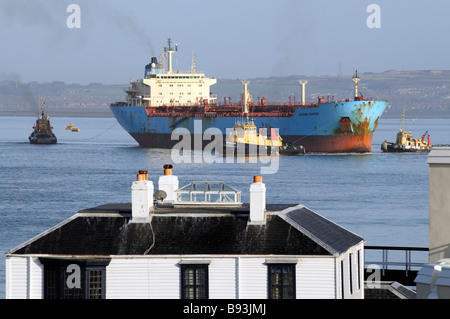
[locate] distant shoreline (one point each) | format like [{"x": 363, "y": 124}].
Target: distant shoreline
[
  {"x": 423, "y": 93},
  {"x": 58, "y": 114}
]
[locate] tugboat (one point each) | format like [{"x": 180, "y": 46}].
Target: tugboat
[
  {"x": 406, "y": 143},
  {"x": 246, "y": 140},
  {"x": 42, "y": 133}
]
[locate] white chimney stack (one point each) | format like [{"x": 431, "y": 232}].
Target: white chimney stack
[
  {"x": 257, "y": 201},
  {"x": 141, "y": 198},
  {"x": 169, "y": 184}
]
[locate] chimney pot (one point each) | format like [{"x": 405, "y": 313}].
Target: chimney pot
[
  {"x": 257, "y": 179},
  {"x": 142, "y": 176},
  {"x": 168, "y": 169}
]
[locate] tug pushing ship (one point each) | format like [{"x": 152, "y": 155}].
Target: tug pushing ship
[
  {"x": 165, "y": 100},
  {"x": 245, "y": 139}
]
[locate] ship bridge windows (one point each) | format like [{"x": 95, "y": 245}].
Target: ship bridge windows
[
  {"x": 135, "y": 102},
  {"x": 178, "y": 76}
]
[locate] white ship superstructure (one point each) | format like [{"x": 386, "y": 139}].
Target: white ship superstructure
[{"x": 161, "y": 87}]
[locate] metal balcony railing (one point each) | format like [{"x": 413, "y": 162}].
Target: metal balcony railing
[{"x": 391, "y": 257}]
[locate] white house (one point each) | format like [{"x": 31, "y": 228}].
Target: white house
[{"x": 201, "y": 243}]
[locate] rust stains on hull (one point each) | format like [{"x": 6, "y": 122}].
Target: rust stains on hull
[{"x": 311, "y": 143}]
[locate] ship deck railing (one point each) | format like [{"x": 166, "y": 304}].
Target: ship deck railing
[{"x": 396, "y": 263}]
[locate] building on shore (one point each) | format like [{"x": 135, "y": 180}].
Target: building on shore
[{"x": 194, "y": 242}]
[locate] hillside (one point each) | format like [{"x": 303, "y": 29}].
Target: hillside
[{"x": 421, "y": 93}]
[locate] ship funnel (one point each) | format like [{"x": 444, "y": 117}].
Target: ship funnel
[
  {"x": 141, "y": 198},
  {"x": 169, "y": 184},
  {"x": 257, "y": 201}
]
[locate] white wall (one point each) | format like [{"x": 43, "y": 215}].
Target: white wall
[
  {"x": 356, "y": 291},
  {"x": 229, "y": 277},
  {"x": 17, "y": 278},
  {"x": 23, "y": 278},
  {"x": 252, "y": 278},
  {"x": 316, "y": 278},
  {"x": 158, "y": 277}
]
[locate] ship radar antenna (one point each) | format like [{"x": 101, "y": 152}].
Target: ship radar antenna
[
  {"x": 170, "y": 51},
  {"x": 356, "y": 80}
]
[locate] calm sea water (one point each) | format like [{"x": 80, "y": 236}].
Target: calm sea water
[{"x": 381, "y": 197}]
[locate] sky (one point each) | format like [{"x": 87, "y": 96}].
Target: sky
[{"x": 231, "y": 39}]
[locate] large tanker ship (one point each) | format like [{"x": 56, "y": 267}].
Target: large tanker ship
[{"x": 165, "y": 100}]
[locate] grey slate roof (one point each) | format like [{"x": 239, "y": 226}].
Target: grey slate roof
[
  {"x": 329, "y": 235},
  {"x": 107, "y": 230}
]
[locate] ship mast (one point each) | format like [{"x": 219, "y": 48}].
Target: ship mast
[
  {"x": 170, "y": 51},
  {"x": 246, "y": 97},
  {"x": 42, "y": 107},
  {"x": 356, "y": 80},
  {"x": 193, "y": 65},
  {"x": 403, "y": 120},
  {"x": 303, "y": 83}
]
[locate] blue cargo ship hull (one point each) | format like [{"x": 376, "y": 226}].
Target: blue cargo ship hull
[{"x": 330, "y": 127}]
